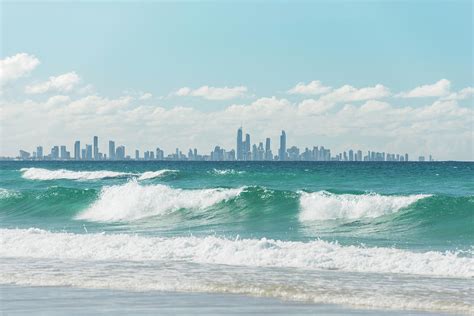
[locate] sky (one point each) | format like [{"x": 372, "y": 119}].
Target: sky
[{"x": 392, "y": 76}]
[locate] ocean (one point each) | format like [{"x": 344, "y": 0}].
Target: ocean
[{"x": 375, "y": 236}]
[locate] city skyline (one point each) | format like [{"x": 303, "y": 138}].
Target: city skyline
[
  {"x": 244, "y": 151},
  {"x": 347, "y": 85}
]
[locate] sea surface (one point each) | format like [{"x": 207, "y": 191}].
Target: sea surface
[{"x": 364, "y": 236}]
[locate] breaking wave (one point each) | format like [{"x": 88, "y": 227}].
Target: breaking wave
[
  {"x": 63, "y": 174},
  {"x": 132, "y": 201},
  {"x": 325, "y": 205},
  {"x": 317, "y": 254}
]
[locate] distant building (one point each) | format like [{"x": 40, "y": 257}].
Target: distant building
[
  {"x": 39, "y": 152},
  {"x": 240, "y": 145},
  {"x": 55, "y": 153},
  {"x": 120, "y": 153},
  {"x": 111, "y": 150},
  {"x": 282, "y": 150},
  {"x": 77, "y": 150},
  {"x": 24, "y": 155},
  {"x": 96, "y": 148}
]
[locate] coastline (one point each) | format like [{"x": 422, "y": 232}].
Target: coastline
[{"x": 17, "y": 300}]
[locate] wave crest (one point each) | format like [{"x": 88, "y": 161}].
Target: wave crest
[
  {"x": 132, "y": 201},
  {"x": 324, "y": 205},
  {"x": 316, "y": 254},
  {"x": 64, "y": 174}
]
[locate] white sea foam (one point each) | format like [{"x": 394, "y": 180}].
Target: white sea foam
[
  {"x": 63, "y": 174},
  {"x": 132, "y": 201},
  {"x": 324, "y": 205},
  {"x": 5, "y": 194},
  {"x": 46, "y": 174},
  {"x": 155, "y": 174},
  {"x": 319, "y": 255},
  {"x": 226, "y": 171}
]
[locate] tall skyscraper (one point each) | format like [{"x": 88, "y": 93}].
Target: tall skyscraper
[
  {"x": 111, "y": 150},
  {"x": 88, "y": 152},
  {"x": 137, "y": 154},
  {"x": 248, "y": 153},
  {"x": 282, "y": 150},
  {"x": 55, "y": 152},
  {"x": 77, "y": 150},
  {"x": 268, "y": 150},
  {"x": 120, "y": 153},
  {"x": 96, "y": 148},
  {"x": 240, "y": 155},
  {"x": 39, "y": 152}
]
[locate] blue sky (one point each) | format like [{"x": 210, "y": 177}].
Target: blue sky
[{"x": 159, "y": 47}]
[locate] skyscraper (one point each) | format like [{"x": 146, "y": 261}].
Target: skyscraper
[
  {"x": 39, "y": 152},
  {"x": 88, "y": 152},
  {"x": 239, "y": 145},
  {"x": 248, "y": 153},
  {"x": 268, "y": 150},
  {"x": 77, "y": 150},
  {"x": 96, "y": 148},
  {"x": 55, "y": 152},
  {"x": 120, "y": 153},
  {"x": 111, "y": 150},
  {"x": 282, "y": 150}
]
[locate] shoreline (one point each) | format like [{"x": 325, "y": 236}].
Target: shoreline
[{"x": 25, "y": 300}]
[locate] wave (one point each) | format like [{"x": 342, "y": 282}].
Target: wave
[
  {"x": 324, "y": 205},
  {"x": 313, "y": 255},
  {"x": 155, "y": 174},
  {"x": 7, "y": 194},
  {"x": 222, "y": 172},
  {"x": 132, "y": 201},
  {"x": 64, "y": 174}
]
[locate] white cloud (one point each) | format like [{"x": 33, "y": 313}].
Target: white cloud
[
  {"x": 213, "y": 93},
  {"x": 62, "y": 83},
  {"x": 313, "y": 88},
  {"x": 438, "y": 89},
  {"x": 373, "y": 106},
  {"x": 348, "y": 93},
  {"x": 146, "y": 96},
  {"x": 462, "y": 94},
  {"x": 17, "y": 66},
  {"x": 314, "y": 107},
  {"x": 374, "y": 125}
]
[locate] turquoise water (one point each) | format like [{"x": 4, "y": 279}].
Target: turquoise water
[{"x": 322, "y": 232}]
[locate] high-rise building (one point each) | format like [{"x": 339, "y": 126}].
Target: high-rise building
[
  {"x": 240, "y": 155},
  {"x": 39, "y": 152},
  {"x": 137, "y": 154},
  {"x": 247, "y": 152},
  {"x": 111, "y": 150},
  {"x": 24, "y": 155},
  {"x": 406, "y": 157},
  {"x": 282, "y": 150},
  {"x": 160, "y": 154},
  {"x": 351, "y": 155},
  {"x": 55, "y": 153},
  {"x": 88, "y": 152},
  {"x": 120, "y": 153},
  {"x": 268, "y": 150},
  {"x": 77, "y": 150},
  {"x": 96, "y": 148}
]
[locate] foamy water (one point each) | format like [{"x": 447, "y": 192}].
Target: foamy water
[
  {"x": 36, "y": 243},
  {"x": 324, "y": 205},
  {"x": 132, "y": 201},
  {"x": 64, "y": 174}
]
